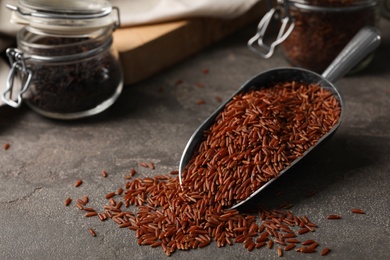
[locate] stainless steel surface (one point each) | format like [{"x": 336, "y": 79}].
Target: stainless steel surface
[
  {"x": 363, "y": 43},
  {"x": 18, "y": 69},
  {"x": 257, "y": 43}
]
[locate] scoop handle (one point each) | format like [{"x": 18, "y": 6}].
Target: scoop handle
[{"x": 362, "y": 44}]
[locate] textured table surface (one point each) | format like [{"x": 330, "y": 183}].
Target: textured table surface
[{"x": 151, "y": 122}]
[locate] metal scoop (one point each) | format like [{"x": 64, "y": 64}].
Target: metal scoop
[{"x": 364, "y": 42}]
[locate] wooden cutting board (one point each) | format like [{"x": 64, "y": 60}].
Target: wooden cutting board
[{"x": 149, "y": 49}]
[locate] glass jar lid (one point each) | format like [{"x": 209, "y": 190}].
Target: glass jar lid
[
  {"x": 64, "y": 15},
  {"x": 330, "y": 5}
]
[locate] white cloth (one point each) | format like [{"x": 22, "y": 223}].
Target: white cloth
[{"x": 146, "y": 11}]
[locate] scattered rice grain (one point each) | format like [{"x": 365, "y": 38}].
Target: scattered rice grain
[
  {"x": 68, "y": 201},
  {"x": 92, "y": 232},
  {"x": 358, "y": 211},
  {"x": 78, "y": 183}
]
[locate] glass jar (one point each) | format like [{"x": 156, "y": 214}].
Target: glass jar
[
  {"x": 323, "y": 28},
  {"x": 64, "y": 58},
  {"x": 313, "y": 32}
]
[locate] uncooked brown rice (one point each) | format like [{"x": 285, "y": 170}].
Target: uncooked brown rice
[
  {"x": 90, "y": 214},
  {"x": 79, "y": 206},
  {"x": 151, "y": 165},
  {"x": 308, "y": 242},
  {"x": 256, "y": 136},
  {"x": 78, "y": 183},
  {"x": 253, "y": 139},
  {"x": 110, "y": 195},
  {"x": 289, "y": 247},
  {"x": 144, "y": 164},
  {"x": 333, "y": 216},
  {"x": 280, "y": 252},
  {"x": 325, "y": 251},
  {"x": 68, "y": 201},
  {"x": 358, "y": 211},
  {"x": 92, "y": 232}
]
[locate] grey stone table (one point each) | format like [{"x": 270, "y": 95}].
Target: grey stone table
[{"x": 151, "y": 122}]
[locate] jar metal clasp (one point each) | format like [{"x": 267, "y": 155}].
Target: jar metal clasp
[
  {"x": 17, "y": 61},
  {"x": 286, "y": 27}
]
